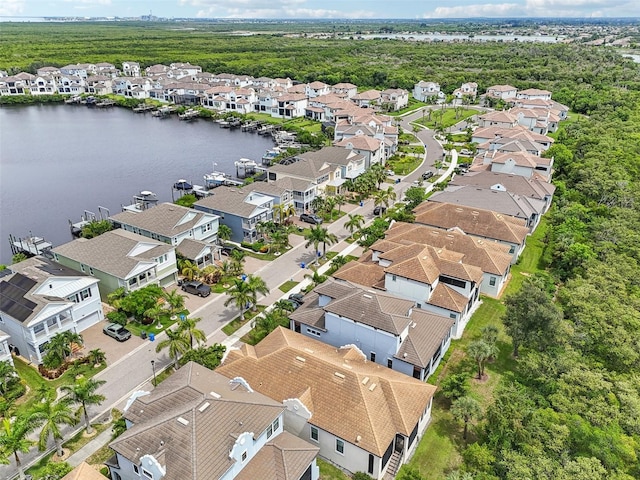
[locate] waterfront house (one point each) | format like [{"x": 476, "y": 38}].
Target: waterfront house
[
  {"x": 131, "y": 69},
  {"x": 390, "y": 331},
  {"x": 238, "y": 208},
  {"x": 428, "y": 92},
  {"x": 484, "y": 224},
  {"x": 169, "y": 223},
  {"x": 5, "y": 350},
  {"x": 371, "y": 148},
  {"x": 40, "y": 298},
  {"x": 201, "y": 425},
  {"x": 43, "y": 84},
  {"x": 99, "y": 85},
  {"x": 15, "y": 85},
  {"x": 119, "y": 258},
  {"x": 290, "y": 105},
  {"x": 344, "y": 164},
  {"x": 502, "y": 92},
  {"x": 363, "y": 416},
  {"x": 71, "y": 84},
  {"x": 492, "y": 258},
  {"x": 82, "y": 70},
  {"x": 53, "y": 71},
  {"x": 106, "y": 69}
]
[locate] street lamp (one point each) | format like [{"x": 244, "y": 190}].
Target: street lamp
[{"x": 153, "y": 366}]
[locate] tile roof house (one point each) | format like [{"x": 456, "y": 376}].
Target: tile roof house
[
  {"x": 503, "y": 92},
  {"x": 371, "y": 148},
  {"x": 534, "y": 93},
  {"x": 169, "y": 223},
  {"x": 40, "y": 298},
  {"x": 394, "y": 99},
  {"x": 501, "y": 119},
  {"x": 389, "y": 330},
  {"x": 492, "y": 258},
  {"x": 485, "y": 224},
  {"x": 119, "y": 258},
  {"x": 200, "y": 425},
  {"x": 518, "y": 162},
  {"x": 84, "y": 471},
  {"x": 363, "y": 416},
  {"x": 427, "y": 91},
  {"x": 367, "y": 99}
]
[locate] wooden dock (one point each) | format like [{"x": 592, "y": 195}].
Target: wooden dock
[{"x": 30, "y": 245}]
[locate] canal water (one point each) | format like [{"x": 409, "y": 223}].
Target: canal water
[{"x": 58, "y": 160}]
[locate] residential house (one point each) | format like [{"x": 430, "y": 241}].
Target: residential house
[
  {"x": 290, "y": 105},
  {"x": 84, "y": 471},
  {"x": 15, "y": 85},
  {"x": 169, "y": 223},
  {"x": 131, "y": 69},
  {"x": 82, "y": 70},
  {"x": 317, "y": 89},
  {"x": 5, "y": 350},
  {"x": 500, "y": 119},
  {"x": 369, "y": 147},
  {"x": 467, "y": 90},
  {"x": 44, "y": 84},
  {"x": 306, "y": 178},
  {"x": 71, "y": 84},
  {"x": 46, "y": 71},
  {"x": 394, "y": 99},
  {"x": 428, "y": 92},
  {"x": 538, "y": 120},
  {"x": 238, "y": 208},
  {"x": 492, "y": 258},
  {"x": 519, "y": 162},
  {"x": 199, "y": 253},
  {"x": 524, "y": 186},
  {"x": 367, "y": 99},
  {"x": 493, "y": 138},
  {"x": 40, "y": 298},
  {"x": 363, "y": 416},
  {"x": 502, "y": 92},
  {"x": 496, "y": 198},
  {"x": 484, "y": 224},
  {"x": 391, "y": 331},
  {"x": 99, "y": 85},
  {"x": 201, "y": 425},
  {"x": 344, "y": 90},
  {"x": 121, "y": 259},
  {"x": 106, "y": 69},
  {"x": 343, "y": 164},
  {"x": 533, "y": 94},
  {"x": 156, "y": 70}
]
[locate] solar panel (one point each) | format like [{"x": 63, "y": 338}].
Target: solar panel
[{"x": 12, "y": 301}]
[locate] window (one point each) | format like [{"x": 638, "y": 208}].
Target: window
[
  {"x": 389, "y": 363},
  {"x": 492, "y": 281},
  {"x": 512, "y": 249},
  {"x": 313, "y": 332},
  {"x": 393, "y": 278},
  {"x": 372, "y": 356},
  {"x": 269, "y": 431},
  {"x": 147, "y": 474},
  {"x": 90, "y": 270},
  {"x": 276, "y": 424},
  {"x": 136, "y": 469},
  {"x": 340, "y": 446},
  {"x": 38, "y": 328},
  {"x": 82, "y": 267},
  {"x": 244, "y": 456},
  {"x": 206, "y": 228},
  {"x": 452, "y": 315},
  {"x": 314, "y": 433},
  {"x": 84, "y": 294}
]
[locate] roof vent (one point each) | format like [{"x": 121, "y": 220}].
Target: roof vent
[
  {"x": 358, "y": 439},
  {"x": 367, "y": 296},
  {"x": 300, "y": 359},
  {"x": 215, "y": 395},
  {"x": 404, "y": 355},
  {"x": 183, "y": 421},
  {"x": 308, "y": 350},
  {"x": 339, "y": 375},
  {"x": 372, "y": 387},
  {"x": 344, "y": 365},
  {"x": 204, "y": 406},
  {"x": 365, "y": 380}
]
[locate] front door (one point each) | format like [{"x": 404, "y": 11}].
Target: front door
[{"x": 399, "y": 444}]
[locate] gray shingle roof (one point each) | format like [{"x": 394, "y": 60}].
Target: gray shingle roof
[
  {"x": 231, "y": 200},
  {"x": 425, "y": 337}
]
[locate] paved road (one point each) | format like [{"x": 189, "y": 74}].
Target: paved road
[{"x": 134, "y": 370}]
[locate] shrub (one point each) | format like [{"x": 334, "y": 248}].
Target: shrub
[
  {"x": 116, "y": 316},
  {"x": 264, "y": 249}
]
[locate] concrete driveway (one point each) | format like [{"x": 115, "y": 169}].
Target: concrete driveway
[{"x": 114, "y": 350}]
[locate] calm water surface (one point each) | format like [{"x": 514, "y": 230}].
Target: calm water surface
[{"x": 58, "y": 160}]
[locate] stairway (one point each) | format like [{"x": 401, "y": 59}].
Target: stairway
[{"x": 394, "y": 466}]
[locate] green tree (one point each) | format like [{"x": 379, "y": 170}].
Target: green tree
[
  {"x": 466, "y": 409},
  {"x": 95, "y": 228},
  {"x": 257, "y": 286},
  {"x": 454, "y": 386},
  {"x": 481, "y": 351},
  {"x": 338, "y": 262},
  {"x": 384, "y": 197},
  {"x": 224, "y": 233},
  {"x": 186, "y": 200},
  {"x": 378, "y": 174},
  {"x": 414, "y": 196},
  {"x": 7, "y": 376},
  {"x": 175, "y": 301},
  {"x": 209, "y": 357},
  {"x": 316, "y": 278},
  {"x": 14, "y": 439},
  {"x": 97, "y": 356},
  {"x": 51, "y": 415},
  {"x": 354, "y": 222},
  {"x": 267, "y": 323},
  {"x": 190, "y": 270},
  {"x": 240, "y": 295},
  {"x": 114, "y": 298},
  {"x": 83, "y": 393},
  {"x": 18, "y": 257},
  {"x": 315, "y": 236},
  {"x": 177, "y": 343},
  {"x": 236, "y": 265},
  {"x": 189, "y": 328},
  {"x": 55, "y": 471},
  {"x": 136, "y": 303},
  {"x": 408, "y": 472}
]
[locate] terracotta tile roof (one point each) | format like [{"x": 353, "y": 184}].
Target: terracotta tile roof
[
  {"x": 521, "y": 158},
  {"x": 446, "y": 297},
  {"x": 367, "y": 274},
  {"x": 310, "y": 313},
  {"x": 191, "y": 439},
  {"x": 472, "y": 221},
  {"x": 286, "y": 457},
  {"x": 425, "y": 337},
  {"x": 517, "y": 184},
  {"x": 366, "y": 404},
  {"x": 361, "y": 142},
  {"x": 84, "y": 471}
]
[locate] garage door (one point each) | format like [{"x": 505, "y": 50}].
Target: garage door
[{"x": 88, "y": 321}]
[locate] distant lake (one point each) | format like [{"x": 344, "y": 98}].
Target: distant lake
[
  {"x": 634, "y": 57},
  {"x": 58, "y": 160},
  {"x": 445, "y": 37}
]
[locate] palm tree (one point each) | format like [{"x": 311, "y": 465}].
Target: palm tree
[
  {"x": 378, "y": 174},
  {"x": 52, "y": 415},
  {"x": 465, "y": 409},
  {"x": 240, "y": 295},
  {"x": 354, "y": 223},
  {"x": 315, "y": 236},
  {"x": 383, "y": 197},
  {"x": 316, "y": 278},
  {"x": 329, "y": 239},
  {"x": 190, "y": 270},
  {"x": 340, "y": 201},
  {"x": 338, "y": 261},
  {"x": 13, "y": 439},
  {"x": 237, "y": 262},
  {"x": 57, "y": 351},
  {"x": 329, "y": 203},
  {"x": 175, "y": 300},
  {"x": 267, "y": 323},
  {"x": 116, "y": 296},
  {"x": 83, "y": 393},
  {"x": 177, "y": 343},
  {"x": 317, "y": 204},
  {"x": 224, "y": 232},
  {"x": 481, "y": 351},
  {"x": 256, "y": 285},
  {"x": 154, "y": 313},
  {"x": 280, "y": 239},
  {"x": 97, "y": 356},
  {"x": 188, "y": 327},
  {"x": 7, "y": 373}
]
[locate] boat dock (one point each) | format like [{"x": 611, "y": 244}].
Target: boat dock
[
  {"x": 29, "y": 246},
  {"x": 188, "y": 115},
  {"x": 107, "y": 103},
  {"x": 86, "y": 218},
  {"x": 143, "y": 201},
  {"x": 163, "y": 112},
  {"x": 143, "y": 108},
  {"x": 75, "y": 100}
]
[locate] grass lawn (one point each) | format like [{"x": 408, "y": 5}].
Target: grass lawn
[
  {"x": 236, "y": 323},
  {"x": 137, "y": 328},
  {"x": 288, "y": 285},
  {"x": 329, "y": 472},
  {"x": 404, "y": 164},
  {"x": 448, "y": 118}
]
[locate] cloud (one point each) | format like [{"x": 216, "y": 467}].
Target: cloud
[
  {"x": 9, "y": 8},
  {"x": 537, "y": 8},
  {"x": 268, "y": 9}
]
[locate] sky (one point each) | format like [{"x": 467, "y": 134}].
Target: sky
[{"x": 322, "y": 9}]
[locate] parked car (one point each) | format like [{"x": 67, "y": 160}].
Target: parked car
[
  {"x": 297, "y": 297},
  {"x": 227, "y": 250},
  {"x": 464, "y": 151},
  {"x": 379, "y": 209},
  {"x": 464, "y": 165},
  {"x": 117, "y": 331},
  {"x": 311, "y": 218},
  {"x": 390, "y": 173},
  {"x": 291, "y": 304},
  {"x": 427, "y": 175},
  {"x": 197, "y": 288}
]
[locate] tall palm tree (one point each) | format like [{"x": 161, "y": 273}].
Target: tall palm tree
[
  {"x": 188, "y": 327},
  {"x": 354, "y": 222},
  {"x": 257, "y": 285},
  {"x": 177, "y": 343},
  {"x": 280, "y": 239},
  {"x": 465, "y": 409},
  {"x": 240, "y": 295},
  {"x": 329, "y": 203},
  {"x": 481, "y": 351},
  {"x": 52, "y": 415},
  {"x": 267, "y": 323},
  {"x": 329, "y": 239},
  {"x": 175, "y": 300},
  {"x": 340, "y": 201},
  {"x": 83, "y": 393},
  {"x": 97, "y": 356},
  {"x": 378, "y": 174},
  {"x": 314, "y": 237},
  {"x": 237, "y": 262},
  {"x": 14, "y": 439}
]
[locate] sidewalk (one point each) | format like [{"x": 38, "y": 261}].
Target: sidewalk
[{"x": 90, "y": 448}]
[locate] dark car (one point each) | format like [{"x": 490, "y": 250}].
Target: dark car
[
  {"x": 227, "y": 250},
  {"x": 427, "y": 175},
  {"x": 197, "y": 288},
  {"x": 117, "y": 331},
  {"x": 289, "y": 304},
  {"x": 379, "y": 209},
  {"x": 297, "y": 297},
  {"x": 311, "y": 218}
]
